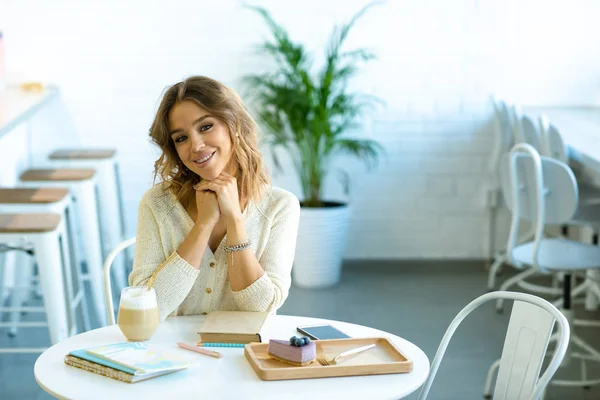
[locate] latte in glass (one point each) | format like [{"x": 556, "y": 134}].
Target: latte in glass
[{"x": 138, "y": 313}]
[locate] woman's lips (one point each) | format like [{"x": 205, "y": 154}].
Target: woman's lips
[{"x": 205, "y": 160}]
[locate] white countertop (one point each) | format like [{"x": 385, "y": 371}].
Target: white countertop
[{"x": 17, "y": 105}]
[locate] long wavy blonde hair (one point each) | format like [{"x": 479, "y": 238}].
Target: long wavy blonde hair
[{"x": 226, "y": 105}]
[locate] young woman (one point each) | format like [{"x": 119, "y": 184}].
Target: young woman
[{"x": 213, "y": 234}]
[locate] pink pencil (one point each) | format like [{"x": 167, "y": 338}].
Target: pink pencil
[{"x": 210, "y": 353}]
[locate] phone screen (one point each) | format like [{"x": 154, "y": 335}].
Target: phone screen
[{"x": 322, "y": 332}]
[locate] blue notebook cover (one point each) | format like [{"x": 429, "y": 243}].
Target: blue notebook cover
[
  {"x": 97, "y": 360},
  {"x": 131, "y": 357},
  {"x": 138, "y": 356}
]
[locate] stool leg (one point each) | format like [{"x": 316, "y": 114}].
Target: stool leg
[
  {"x": 9, "y": 272},
  {"x": 49, "y": 260},
  {"x": 75, "y": 266},
  {"x": 128, "y": 254},
  {"x": 37, "y": 292},
  {"x": 110, "y": 221},
  {"x": 23, "y": 275},
  {"x": 2, "y": 273},
  {"x": 120, "y": 200},
  {"x": 74, "y": 237},
  {"x": 67, "y": 270},
  {"x": 88, "y": 218}
]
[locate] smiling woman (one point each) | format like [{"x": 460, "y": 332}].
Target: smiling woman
[{"x": 213, "y": 203}]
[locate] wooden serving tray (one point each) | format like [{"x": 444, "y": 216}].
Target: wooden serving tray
[{"x": 385, "y": 358}]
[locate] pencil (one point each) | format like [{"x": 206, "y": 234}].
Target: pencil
[{"x": 210, "y": 353}]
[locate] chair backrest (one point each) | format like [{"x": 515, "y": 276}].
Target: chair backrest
[
  {"x": 537, "y": 189},
  {"x": 107, "y": 286},
  {"x": 530, "y": 133},
  {"x": 555, "y": 146},
  {"x": 527, "y": 337},
  {"x": 518, "y": 135},
  {"x": 503, "y": 135}
]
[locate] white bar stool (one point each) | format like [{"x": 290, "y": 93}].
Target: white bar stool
[
  {"x": 55, "y": 201},
  {"x": 82, "y": 186},
  {"x": 110, "y": 200},
  {"x": 45, "y": 233}
]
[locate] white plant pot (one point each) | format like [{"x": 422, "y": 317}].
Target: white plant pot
[{"x": 320, "y": 247}]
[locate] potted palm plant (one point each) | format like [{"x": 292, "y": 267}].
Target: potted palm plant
[{"x": 309, "y": 115}]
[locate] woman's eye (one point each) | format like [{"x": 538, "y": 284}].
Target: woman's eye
[
  {"x": 180, "y": 139},
  {"x": 204, "y": 128}
]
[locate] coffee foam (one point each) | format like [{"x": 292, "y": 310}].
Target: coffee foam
[{"x": 138, "y": 299}]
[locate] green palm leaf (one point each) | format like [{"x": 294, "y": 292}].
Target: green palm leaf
[{"x": 308, "y": 114}]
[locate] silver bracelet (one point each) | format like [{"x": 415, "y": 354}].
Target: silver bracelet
[{"x": 237, "y": 247}]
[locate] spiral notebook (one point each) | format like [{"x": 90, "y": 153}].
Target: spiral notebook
[
  {"x": 129, "y": 362},
  {"x": 232, "y": 327},
  {"x": 110, "y": 372}
]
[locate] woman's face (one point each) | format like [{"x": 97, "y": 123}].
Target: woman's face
[{"x": 202, "y": 141}]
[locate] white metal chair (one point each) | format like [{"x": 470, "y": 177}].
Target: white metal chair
[
  {"x": 110, "y": 312},
  {"x": 503, "y": 141},
  {"x": 588, "y": 212},
  {"x": 544, "y": 191},
  {"x": 529, "y": 331},
  {"x": 547, "y": 140},
  {"x": 508, "y": 126}
]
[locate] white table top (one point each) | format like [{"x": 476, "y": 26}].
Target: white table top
[
  {"x": 231, "y": 377},
  {"x": 17, "y": 105},
  {"x": 580, "y": 129}
]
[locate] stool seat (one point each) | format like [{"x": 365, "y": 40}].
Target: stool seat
[
  {"x": 28, "y": 223},
  {"x": 82, "y": 154},
  {"x": 63, "y": 174},
  {"x": 32, "y": 196}
]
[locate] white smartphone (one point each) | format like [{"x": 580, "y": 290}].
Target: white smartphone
[{"x": 318, "y": 332}]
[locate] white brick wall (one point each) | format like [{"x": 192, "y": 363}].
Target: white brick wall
[
  {"x": 427, "y": 198},
  {"x": 438, "y": 61}
]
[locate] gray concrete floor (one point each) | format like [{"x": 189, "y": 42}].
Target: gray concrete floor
[{"x": 415, "y": 300}]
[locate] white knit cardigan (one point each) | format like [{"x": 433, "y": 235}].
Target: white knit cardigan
[{"x": 163, "y": 224}]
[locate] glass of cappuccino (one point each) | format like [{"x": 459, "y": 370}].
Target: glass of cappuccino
[{"x": 138, "y": 313}]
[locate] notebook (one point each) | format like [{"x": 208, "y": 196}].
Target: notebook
[
  {"x": 127, "y": 361},
  {"x": 137, "y": 356},
  {"x": 113, "y": 373},
  {"x": 238, "y": 327}
]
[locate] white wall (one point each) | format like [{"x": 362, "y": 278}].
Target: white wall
[{"x": 438, "y": 62}]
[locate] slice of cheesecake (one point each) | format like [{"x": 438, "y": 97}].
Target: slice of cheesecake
[{"x": 282, "y": 350}]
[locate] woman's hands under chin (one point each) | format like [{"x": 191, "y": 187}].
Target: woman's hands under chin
[
  {"x": 225, "y": 188},
  {"x": 207, "y": 207}
]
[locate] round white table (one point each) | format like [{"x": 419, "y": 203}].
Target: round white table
[{"x": 230, "y": 377}]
